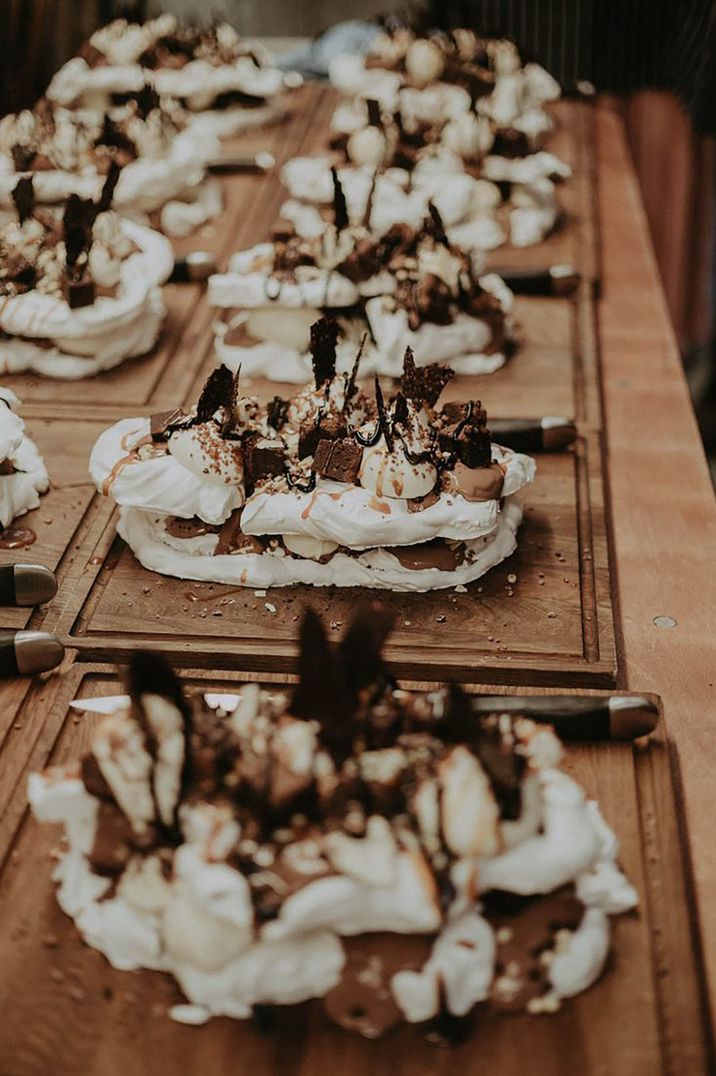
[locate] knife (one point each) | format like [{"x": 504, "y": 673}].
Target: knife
[
  {"x": 552, "y": 280},
  {"x": 580, "y": 717},
  {"x": 193, "y": 268},
  {"x": 549, "y": 434},
  {"x": 26, "y": 584},
  {"x": 254, "y": 162},
  {"x": 23, "y": 653}
]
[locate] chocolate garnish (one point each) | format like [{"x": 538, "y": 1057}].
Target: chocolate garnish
[
  {"x": 351, "y": 385},
  {"x": 108, "y": 187},
  {"x": 324, "y": 336},
  {"x": 400, "y": 409},
  {"x": 504, "y": 767},
  {"x": 361, "y": 650},
  {"x": 23, "y": 195},
  {"x": 374, "y": 117},
  {"x": 151, "y": 674},
  {"x": 338, "y": 460},
  {"x": 340, "y": 208},
  {"x": 438, "y": 228},
  {"x": 383, "y": 421},
  {"x": 147, "y": 100},
  {"x": 77, "y": 221},
  {"x": 277, "y": 412},
  {"x": 220, "y": 391},
  {"x": 423, "y": 384},
  {"x": 369, "y": 201},
  {"x": 321, "y": 691}
]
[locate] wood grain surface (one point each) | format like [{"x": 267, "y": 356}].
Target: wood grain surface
[{"x": 65, "y": 1011}]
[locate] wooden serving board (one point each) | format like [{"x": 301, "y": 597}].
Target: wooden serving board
[
  {"x": 66, "y": 511},
  {"x": 543, "y": 616},
  {"x": 65, "y": 1010}
]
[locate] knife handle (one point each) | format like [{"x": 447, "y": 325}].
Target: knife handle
[
  {"x": 580, "y": 717},
  {"x": 23, "y": 653},
  {"x": 26, "y": 584},
  {"x": 533, "y": 434},
  {"x": 557, "y": 280},
  {"x": 193, "y": 268}
]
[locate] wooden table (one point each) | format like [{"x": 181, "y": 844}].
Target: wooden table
[{"x": 63, "y": 1010}]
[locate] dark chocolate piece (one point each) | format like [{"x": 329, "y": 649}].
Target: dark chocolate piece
[
  {"x": 339, "y": 460},
  {"x": 107, "y": 193},
  {"x": 340, "y": 208},
  {"x": 321, "y": 691},
  {"x": 324, "y": 336},
  {"x": 383, "y": 421},
  {"x": 423, "y": 384},
  {"x": 162, "y": 423},
  {"x": 263, "y": 456},
  {"x": 219, "y": 392},
  {"x": 374, "y": 117},
  {"x": 77, "y": 221},
  {"x": 23, "y": 195},
  {"x": 79, "y": 292},
  {"x": 352, "y": 380},
  {"x": 277, "y": 412}
]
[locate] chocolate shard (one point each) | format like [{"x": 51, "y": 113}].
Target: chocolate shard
[
  {"x": 107, "y": 193},
  {"x": 383, "y": 421},
  {"x": 351, "y": 386},
  {"x": 423, "y": 384},
  {"x": 374, "y": 117},
  {"x": 147, "y": 99},
  {"x": 161, "y": 423},
  {"x": 436, "y": 226},
  {"x": 77, "y": 221},
  {"x": 79, "y": 292},
  {"x": 362, "y": 650},
  {"x": 220, "y": 391},
  {"x": 400, "y": 409},
  {"x": 504, "y": 767},
  {"x": 277, "y": 412},
  {"x": 338, "y": 460},
  {"x": 321, "y": 691},
  {"x": 324, "y": 337},
  {"x": 368, "y": 211},
  {"x": 23, "y": 195},
  {"x": 151, "y": 674},
  {"x": 340, "y": 208}
]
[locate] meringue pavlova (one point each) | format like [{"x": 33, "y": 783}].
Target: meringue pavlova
[
  {"x": 450, "y": 74},
  {"x": 392, "y": 853},
  {"x": 78, "y": 293},
  {"x": 211, "y": 71},
  {"x": 409, "y": 287},
  {"x": 23, "y": 476},
  {"x": 330, "y": 487},
  {"x": 163, "y": 162}
]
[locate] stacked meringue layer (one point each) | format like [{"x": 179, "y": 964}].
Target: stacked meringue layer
[
  {"x": 163, "y": 159},
  {"x": 23, "y": 476},
  {"x": 389, "y": 852},
  {"x": 407, "y": 287},
  {"x": 331, "y": 487},
  {"x": 78, "y": 293},
  {"x": 227, "y": 85},
  {"x": 446, "y": 105}
]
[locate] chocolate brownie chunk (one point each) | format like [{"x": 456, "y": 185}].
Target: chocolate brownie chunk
[{"x": 339, "y": 460}]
